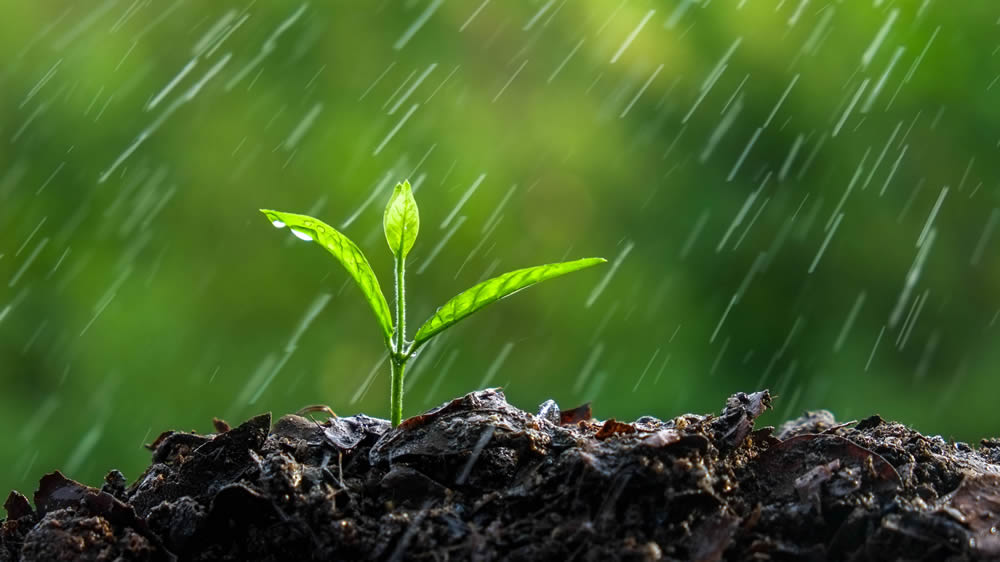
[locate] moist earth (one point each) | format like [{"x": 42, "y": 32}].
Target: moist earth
[{"x": 479, "y": 479}]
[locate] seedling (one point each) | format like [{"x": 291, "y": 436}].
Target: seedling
[{"x": 401, "y": 223}]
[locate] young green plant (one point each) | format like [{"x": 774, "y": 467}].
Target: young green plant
[{"x": 401, "y": 223}]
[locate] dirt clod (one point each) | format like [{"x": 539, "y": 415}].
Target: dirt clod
[{"x": 478, "y": 479}]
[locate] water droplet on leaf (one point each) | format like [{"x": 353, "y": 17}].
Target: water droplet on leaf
[{"x": 302, "y": 235}]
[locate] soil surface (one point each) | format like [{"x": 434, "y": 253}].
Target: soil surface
[{"x": 478, "y": 479}]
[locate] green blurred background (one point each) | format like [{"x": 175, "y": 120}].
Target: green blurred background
[{"x": 800, "y": 195}]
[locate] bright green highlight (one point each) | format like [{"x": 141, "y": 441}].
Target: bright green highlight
[{"x": 401, "y": 222}]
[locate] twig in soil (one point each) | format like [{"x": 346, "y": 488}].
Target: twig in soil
[{"x": 316, "y": 408}]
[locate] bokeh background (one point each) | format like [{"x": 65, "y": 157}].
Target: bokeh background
[{"x": 793, "y": 194}]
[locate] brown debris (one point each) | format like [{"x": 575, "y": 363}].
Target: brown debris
[
  {"x": 575, "y": 415},
  {"x": 220, "y": 425},
  {"x": 792, "y": 455},
  {"x": 612, "y": 427},
  {"x": 976, "y": 504}
]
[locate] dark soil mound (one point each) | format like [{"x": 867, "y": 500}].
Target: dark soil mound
[{"x": 478, "y": 479}]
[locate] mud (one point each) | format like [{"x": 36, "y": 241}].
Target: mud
[{"x": 478, "y": 479}]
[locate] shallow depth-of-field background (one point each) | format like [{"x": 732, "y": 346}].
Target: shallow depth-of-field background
[{"x": 795, "y": 194}]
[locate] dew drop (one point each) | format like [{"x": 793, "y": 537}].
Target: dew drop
[{"x": 302, "y": 235}]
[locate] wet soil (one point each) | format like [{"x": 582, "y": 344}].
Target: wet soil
[{"x": 478, "y": 479}]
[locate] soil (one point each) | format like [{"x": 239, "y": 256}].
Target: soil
[{"x": 478, "y": 479}]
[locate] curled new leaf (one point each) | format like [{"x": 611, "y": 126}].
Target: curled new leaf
[
  {"x": 492, "y": 290},
  {"x": 346, "y": 252},
  {"x": 401, "y": 220}
]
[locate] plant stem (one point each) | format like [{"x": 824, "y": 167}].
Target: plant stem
[
  {"x": 396, "y": 401},
  {"x": 400, "y": 304},
  {"x": 398, "y": 358}
]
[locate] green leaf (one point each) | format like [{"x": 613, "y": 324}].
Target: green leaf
[
  {"x": 346, "y": 252},
  {"x": 492, "y": 290},
  {"x": 401, "y": 220}
]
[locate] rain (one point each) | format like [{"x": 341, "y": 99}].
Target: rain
[{"x": 799, "y": 195}]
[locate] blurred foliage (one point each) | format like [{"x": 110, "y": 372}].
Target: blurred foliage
[{"x": 759, "y": 173}]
